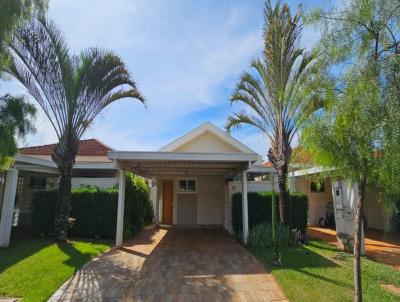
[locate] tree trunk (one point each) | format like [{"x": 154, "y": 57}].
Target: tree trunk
[
  {"x": 63, "y": 205},
  {"x": 283, "y": 194},
  {"x": 358, "y": 239},
  {"x": 274, "y": 227}
]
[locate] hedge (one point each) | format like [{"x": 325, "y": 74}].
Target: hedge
[
  {"x": 259, "y": 208},
  {"x": 95, "y": 210}
]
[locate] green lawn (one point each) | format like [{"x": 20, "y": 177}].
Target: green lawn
[
  {"x": 34, "y": 268},
  {"x": 317, "y": 273}
]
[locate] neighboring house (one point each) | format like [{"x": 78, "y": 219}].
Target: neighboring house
[
  {"x": 36, "y": 171},
  {"x": 321, "y": 190}
]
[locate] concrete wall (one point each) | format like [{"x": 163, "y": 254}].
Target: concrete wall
[
  {"x": 374, "y": 210},
  {"x": 316, "y": 200}
]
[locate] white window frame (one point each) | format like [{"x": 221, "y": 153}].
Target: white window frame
[{"x": 187, "y": 179}]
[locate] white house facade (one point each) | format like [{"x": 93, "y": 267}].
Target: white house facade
[{"x": 190, "y": 178}]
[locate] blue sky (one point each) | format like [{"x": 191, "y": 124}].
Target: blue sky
[{"x": 185, "y": 56}]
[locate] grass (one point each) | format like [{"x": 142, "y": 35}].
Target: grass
[
  {"x": 316, "y": 272},
  {"x": 34, "y": 268}
]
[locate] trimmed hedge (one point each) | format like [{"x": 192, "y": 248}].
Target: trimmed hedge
[
  {"x": 95, "y": 210},
  {"x": 259, "y": 204}
]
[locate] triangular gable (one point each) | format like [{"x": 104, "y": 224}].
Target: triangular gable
[{"x": 207, "y": 138}]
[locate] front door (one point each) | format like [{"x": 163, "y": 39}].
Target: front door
[{"x": 168, "y": 189}]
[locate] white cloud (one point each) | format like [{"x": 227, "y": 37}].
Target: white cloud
[{"x": 184, "y": 55}]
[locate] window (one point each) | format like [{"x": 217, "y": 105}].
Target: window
[
  {"x": 317, "y": 186},
  {"x": 187, "y": 185},
  {"x": 37, "y": 183}
]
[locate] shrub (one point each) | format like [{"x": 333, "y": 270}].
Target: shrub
[
  {"x": 259, "y": 209},
  {"x": 95, "y": 210},
  {"x": 260, "y": 235}
]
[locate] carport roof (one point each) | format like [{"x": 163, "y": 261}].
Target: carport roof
[{"x": 149, "y": 164}]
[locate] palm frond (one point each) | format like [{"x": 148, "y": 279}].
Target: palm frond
[
  {"x": 272, "y": 93},
  {"x": 71, "y": 90}
]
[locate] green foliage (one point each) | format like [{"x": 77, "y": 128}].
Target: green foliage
[
  {"x": 260, "y": 235},
  {"x": 95, "y": 210},
  {"x": 15, "y": 120},
  {"x": 260, "y": 210},
  {"x": 346, "y": 133},
  {"x": 314, "y": 273},
  {"x": 33, "y": 269}
]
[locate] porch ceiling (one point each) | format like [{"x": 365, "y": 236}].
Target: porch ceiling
[{"x": 150, "y": 164}]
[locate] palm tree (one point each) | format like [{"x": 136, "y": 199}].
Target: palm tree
[
  {"x": 273, "y": 98},
  {"x": 71, "y": 90}
]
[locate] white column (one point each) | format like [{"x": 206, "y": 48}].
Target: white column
[
  {"x": 157, "y": 203},
  {"x": 121, "y": 205},
  {"x": 7, "y": 210},
  {"x": 245, "y": 208}
]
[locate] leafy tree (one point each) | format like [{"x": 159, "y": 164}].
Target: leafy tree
[
  {"x": 14, "y": 121},
  {"x": 71, "y": 90},
  {"x": 352, "y": 134},
  {"x": 271, "y": 95}
]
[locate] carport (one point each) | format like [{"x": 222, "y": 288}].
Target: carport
[{"x": 200, "y": 171}]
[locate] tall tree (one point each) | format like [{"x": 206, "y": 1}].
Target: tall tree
[
  {"x": 271, "y": 96},
  {"x": 361, "y": 39},
  {"x": 16, "y": 113},
  {"x": 71, "y": 90}
]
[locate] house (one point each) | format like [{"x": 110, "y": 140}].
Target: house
[
  {"x": 192, "y": 179},
  {"x": 34, "y": 169},
  {"x": 343, "y": 195}
]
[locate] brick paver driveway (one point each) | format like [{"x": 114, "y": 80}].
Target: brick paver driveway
[{"x": 174, "y": 265}]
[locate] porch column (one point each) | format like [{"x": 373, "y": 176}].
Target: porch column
[
  {"x": 121, "y": 205},
  {"x": 157, "y": 203},
  {"x": 245, "y": 208},
  {"x": 7, "y": 211}
]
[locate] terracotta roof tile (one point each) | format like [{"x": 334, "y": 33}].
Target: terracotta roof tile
[{"x": 87, "y": 147}]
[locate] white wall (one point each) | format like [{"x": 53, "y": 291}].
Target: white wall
[
  {"x": 317, "y": 201},
  {"x": 102, "y": 183},
  {"x": 210, "y": 198},
  {"x": 378, "y": 217}
]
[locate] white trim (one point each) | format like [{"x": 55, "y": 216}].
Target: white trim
[
  {"x": 149, "y": 155},
  {"x": 10, "y": 189},
  {"x": 313, "y": 170},
  {"x": 26, "y": 159},
  {"x": 245, "y": 208},
  {"x": 187, "y": 179},
  {"x": 206, "y": 127},
  {"x": 121, "y": 205}
]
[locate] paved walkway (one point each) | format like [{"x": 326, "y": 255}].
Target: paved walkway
[
  {"x": 174, "y": 265},
  {"x": 380, "y": 246}
]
